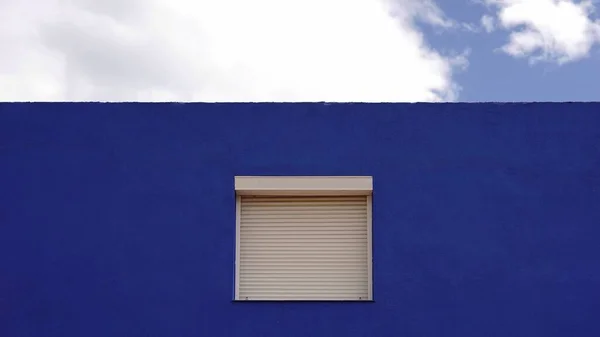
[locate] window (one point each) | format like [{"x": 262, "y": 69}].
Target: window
[{"x": 303, "y": 238}]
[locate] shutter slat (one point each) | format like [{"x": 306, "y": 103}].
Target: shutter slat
[
  {"x": 304, "y": 256},
  {"x": 301, "y": 216},
  {"x": 306, "y": 222},
  {"x": 311, "y": 231},
  {"x": 303, "y": 248},
  {"x": 306, "y": 227},
  {"x": 325, "y": 211}
]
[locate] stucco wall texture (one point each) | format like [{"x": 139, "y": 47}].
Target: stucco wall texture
[{"x": 118, "y": 220}]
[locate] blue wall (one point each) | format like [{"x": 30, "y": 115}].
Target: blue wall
[{"x": 117, "y": 220}]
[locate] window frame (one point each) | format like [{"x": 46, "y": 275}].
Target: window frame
[{"x": 304, "y": 186}]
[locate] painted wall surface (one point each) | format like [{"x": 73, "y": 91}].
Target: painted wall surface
[{"x": 117, "y": 220}]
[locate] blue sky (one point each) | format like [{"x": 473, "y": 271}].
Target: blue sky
[
  {"x": 299, "y": 50},
  {"x": 495, "y": 76}
]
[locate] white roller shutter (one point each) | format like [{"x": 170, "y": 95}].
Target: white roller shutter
[{"x": 304, "y": 248}]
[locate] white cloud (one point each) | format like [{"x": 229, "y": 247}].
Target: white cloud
[
  {"x": 487, "y": 22},
  {"x": 461, "y": 60},
  {"x": 558, "y": 31},
  {"x": 424, "y": 10},
  {"x": 222, "y": 50},
  {"x": 470, "y": 27}
]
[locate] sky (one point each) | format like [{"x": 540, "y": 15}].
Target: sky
[{"x": 300, "y": 50}]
